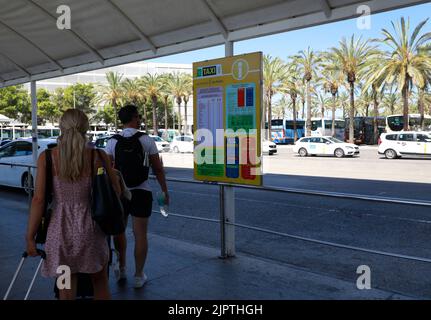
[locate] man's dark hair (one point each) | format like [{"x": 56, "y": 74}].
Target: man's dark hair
[{"x": 127, "y": 113}]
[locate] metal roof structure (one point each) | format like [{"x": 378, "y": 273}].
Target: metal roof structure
[{"x": 105, "y": 33}]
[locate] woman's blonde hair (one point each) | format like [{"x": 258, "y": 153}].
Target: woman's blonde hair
[{"x": 72, "y": 143}]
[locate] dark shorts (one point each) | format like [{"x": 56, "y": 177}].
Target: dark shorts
[{"x": 141, "y": 204}]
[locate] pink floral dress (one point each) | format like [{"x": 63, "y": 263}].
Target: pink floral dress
[{"x": 73, "y": 238}]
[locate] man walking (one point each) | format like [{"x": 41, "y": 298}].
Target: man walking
[{"x": 133, "y": 153}]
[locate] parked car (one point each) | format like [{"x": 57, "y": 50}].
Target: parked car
[
  {"x": 162, "y": 145},
  {"x": 102, "y": 141},
  {"x": 4, "y": 142},
  {"x": 182, "y": 144},
  {"x": 405, "y": 143},
  {"x": 20, "y": 152},
  {"x": 325, "y": 145},
  {"x": 269, "y": 147}
]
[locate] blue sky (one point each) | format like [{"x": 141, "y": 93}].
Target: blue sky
[{"x": 318, "y": 38}]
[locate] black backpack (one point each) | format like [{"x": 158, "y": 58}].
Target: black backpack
[{"x": 131, "y": 160}]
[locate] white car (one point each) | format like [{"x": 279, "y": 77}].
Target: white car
[
  {"x": 405, "y": 143},
  {"x": 20, "y": 152},
  {"x": 162, "y": 145},
  {"x": 326, "y": 145},
  {"x": 269, "y": 147},
  {"x": 182, "y": 144}
]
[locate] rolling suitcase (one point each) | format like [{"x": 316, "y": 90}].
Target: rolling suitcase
[{"x": 24, "y": 256}]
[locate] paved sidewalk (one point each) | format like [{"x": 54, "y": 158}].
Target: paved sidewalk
[{"x": 182, "y": 270}]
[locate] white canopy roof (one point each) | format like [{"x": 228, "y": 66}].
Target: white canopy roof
[{"x": 110, "y": 32}]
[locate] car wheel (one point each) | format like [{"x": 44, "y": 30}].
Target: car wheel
[
  {"x": 390, "y": 154},
  {"x": 303, "y": 152},
  {"x": 27, "y": 183},
  {"x": 176, "y": 150},
  {"x": 339, "y": 153}
]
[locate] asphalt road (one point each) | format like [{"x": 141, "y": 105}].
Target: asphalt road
[{"x": 389, "y": 228}]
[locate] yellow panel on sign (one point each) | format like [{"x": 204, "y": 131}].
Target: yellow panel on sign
[{"x": 227, "y": 104}]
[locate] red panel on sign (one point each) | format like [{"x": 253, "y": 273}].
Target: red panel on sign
[{"x": 241, "y": 97}]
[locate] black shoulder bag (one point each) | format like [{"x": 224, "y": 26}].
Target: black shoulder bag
[
  {"x": 43, "y": 226},
  {"x": 106, "y": 208}
]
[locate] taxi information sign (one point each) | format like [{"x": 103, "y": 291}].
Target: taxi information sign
[{"x": 227, "y": 119}]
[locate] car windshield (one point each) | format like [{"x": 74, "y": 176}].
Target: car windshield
[
  {"x": 334, "y": 140},
  {"x": 158, "y": 139}
]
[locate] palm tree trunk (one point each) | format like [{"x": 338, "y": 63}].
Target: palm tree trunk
[
  {"x": 308, "y": 110},
  {"x": 303, "y": 109},
  {"x": 114, "y": 104},
  {"x": 352, "y": 113},
  {"x": 166, "y": 114},
  {"x": 334, "y": 106},
  {"x": 376, "y": 114},
  {"x": 185, "y": 117},
  {"x": 154, "y": 104},
  {"x": 179, "y": 116},
  {"x": 269, "y": 117},
  {"x": 367, "y": 108},
  {"x": 421, "y": 109},
  {"x": 295, "y": 133},
  {"x": 405, "y": 107}
]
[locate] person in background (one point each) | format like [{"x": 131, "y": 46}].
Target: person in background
[{"x": 140, "y": 206}]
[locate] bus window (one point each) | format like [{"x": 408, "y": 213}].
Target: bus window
[{"x": 395, "y": 123}]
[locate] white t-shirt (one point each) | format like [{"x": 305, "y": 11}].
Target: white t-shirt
[{"x": 148, "y": 145}]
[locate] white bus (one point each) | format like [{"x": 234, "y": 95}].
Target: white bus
[
  {"x": 323, "y": 127},
  {"x": 396, "y": 122}
]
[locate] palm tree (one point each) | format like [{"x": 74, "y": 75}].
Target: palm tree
[
  {"x": 274, "y": 72},
  {"x": 332, "y": 81},
  {"x": 406, "y": 63},
  {"x": 308, "y": 62},
  {"x": 177, "y": 84},
  {"x": 186, "y": 98},
  {"x": 154, "y": 86},
  {"x": 351, "y": 58},
  {"x": 111, "y": 93},
  {"x": 290, "y": 86},
  {"x": 390, "y": 100}
]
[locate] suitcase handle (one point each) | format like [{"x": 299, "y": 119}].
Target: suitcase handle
[{"x": 39, "y": 251}]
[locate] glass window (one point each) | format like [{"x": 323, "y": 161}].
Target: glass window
[
  {"x": 23, "y": 149},
  {"x": 423, "y": 138},
  {"x": 392, "y": 137},
  {"x": 406, "y": 137},
  {"x": 316, "y": 140},
  {"x": 157, "y": 139},
  {"x": 396, "y": 123},
  {"x": 188, "y": 139},
  {"x": 316, "y": 124},
  {"x": 7, "y": 151},
  {"x": 305, "y": 140}
]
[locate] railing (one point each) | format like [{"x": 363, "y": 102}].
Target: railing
[{"x": 223, "y": 223}]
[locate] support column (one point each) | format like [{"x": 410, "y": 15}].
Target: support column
[
  {"x": 227, "y": 203},
  {"x": 34, "y": 120}
]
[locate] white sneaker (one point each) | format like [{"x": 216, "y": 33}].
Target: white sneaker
[{"x": 140, "y": 281}]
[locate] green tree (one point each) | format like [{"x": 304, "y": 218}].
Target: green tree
[
  {"x": 351, "y": 58},
  {"x": 80, "y": 96},
  {"x": 154, "y": 86},
  {"x": 47, "y": 110},
  {"x": 15, "y": 103},
  {"x": 177, "y": 84},
  {"x": 111, "y": 93},
  {"x": 308, "y": 62},
  {"x": 406, "y": 62}
]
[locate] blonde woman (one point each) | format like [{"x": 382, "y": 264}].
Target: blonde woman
[{"x": 73, "y": 238}]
